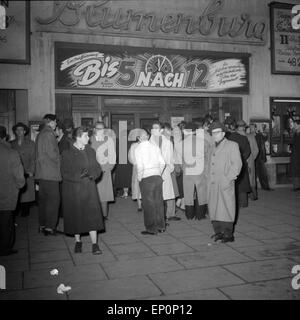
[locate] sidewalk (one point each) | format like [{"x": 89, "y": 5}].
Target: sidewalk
[{"x": 182, "y": 263}]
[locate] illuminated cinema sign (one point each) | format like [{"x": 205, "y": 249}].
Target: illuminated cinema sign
[{"x": 136, "y": 69}]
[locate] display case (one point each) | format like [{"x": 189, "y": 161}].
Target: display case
[{"x": 282, "y": 110}]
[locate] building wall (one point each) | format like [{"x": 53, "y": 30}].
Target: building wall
[{"x": 38, "y": 78}]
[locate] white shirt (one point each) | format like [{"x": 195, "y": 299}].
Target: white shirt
[{"x": 149, "y": 160}]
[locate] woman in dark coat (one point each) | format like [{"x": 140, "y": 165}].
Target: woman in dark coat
[
  {"x": 81, "y": 204},
  {"x": 295, "y": 157},
  {"x": 26, "y": 150}
]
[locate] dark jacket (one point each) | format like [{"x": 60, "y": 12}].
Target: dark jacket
[
  {"x": 81, "y": 204},
  {"x": 243, "y": 182},
  {"x": 47, "y": 156},
  {"x": 295, "y": 157},
  {"x": 27, "y": 153},
  {"x": 261, "y": 139},
  {"x": 64, "y": 143},
  {"x": 12, "y": 177}
]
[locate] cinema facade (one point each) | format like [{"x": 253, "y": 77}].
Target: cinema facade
[{"x": 171, "y": 60}]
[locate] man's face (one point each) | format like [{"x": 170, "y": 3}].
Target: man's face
[
  {"x": 53, "y": 124},
  {"x": 252, "y": 128},
  {"x": 99, "y": 129},
  {"x": 20, "y": 132},
  {"x": 84, "y": 139},
  {"x": 156, "y": 130},
  {"x": 144, "y": 137},
  {"x": 218, "y": 135}
]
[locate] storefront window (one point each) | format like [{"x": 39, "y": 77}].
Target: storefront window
[{"x": 282, "y": 111}]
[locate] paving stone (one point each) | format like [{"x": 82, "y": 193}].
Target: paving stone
[
  {"x": 262, "y": 270},
  {"x": 51, "y": 265},
  {"x": 284, "y": 228},
  {"x": 58, "y": 255},
  {"x": 120, "y": 269},
  {"x": 159, "y": 239},
  {"x": 15, "y": 265},
  {"x": 210, "y": 258},
  {"x": 244, "y": 241},
  {"x": 139, "y": 287},
  {"x": 208, "y": 294},
  {"x": 263, "y": 234},
  {"x": 171, "y": 248},
  {"x": 119, "y": 239},
  {"x": 47, "y": 246},
  {"x": 21, "y": 255},
  {"x": 135, "y": 255},
  {"x": 137, "y": 247},
  {"x": 267, "y": 290},
  {"x": 33, "y": 294},
  {"x": 185, "y": 233},
  {"x": 269, "y": 251},
  {"x": 89, "y": 258},
  {"x": 14, "y": 281},
  {"x": 67, "y": 276},
  {"x": 194, "y": 280}
]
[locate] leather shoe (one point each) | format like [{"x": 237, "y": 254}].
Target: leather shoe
[
  {"x": 149, "y": 233},
  {"x": 95, "y": 249},
  {"x": 78, "y": 247},
  {"x": 174, "y": 219},
  {"x": 227, "y": 239}
]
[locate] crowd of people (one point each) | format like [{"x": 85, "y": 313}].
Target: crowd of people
[{"x": 204, "y": 169}]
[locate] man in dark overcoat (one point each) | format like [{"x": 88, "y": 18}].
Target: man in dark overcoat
[
  {"x": 12, "y": 180},
  {"x": 243, "y": 183},
  {"x": 47, "y": 172}
]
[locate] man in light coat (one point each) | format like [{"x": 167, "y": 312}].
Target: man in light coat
[
  {"x": 47, "y": 172},
  {"x": 105, "y": 148},
  {"x": 12, "y": 180},
  {"x": 224, "y": 167},
  {"x": 167, "y": 151}
]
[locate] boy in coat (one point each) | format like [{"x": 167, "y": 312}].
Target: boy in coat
[{"x": 224, "y": 167}]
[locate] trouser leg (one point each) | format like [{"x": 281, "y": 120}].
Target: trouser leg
[
  {"x": 147, "y": 187},
  {"x": 243, "y": 199},
  {"x": 170, "y": 212},
  {"x": 51, "y": 202},
  {"x": 42, "y": 203},
  {"x": 217, "y": 226},
  {"x": 7, "y": 232},
  {"x": 25, "y": 209},
  {"x": 227, "y": 229},
  {"x": 262, "y": 175},
  {"x": 159, "y": 201},
  {"x": 200, "y": 210}
]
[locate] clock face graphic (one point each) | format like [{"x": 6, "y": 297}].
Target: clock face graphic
[{"x": 159, "y": 63}]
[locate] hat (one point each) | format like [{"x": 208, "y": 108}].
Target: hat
[
  {"x": 68, "y": 123},
  {"x": 20, "y": 125},
  {"x": 229, "y": 120},
  {"x": 241, "y": 123},
  {"x": 217, "y": 125},
  {"x": 51, "y": 117},
  {"x": 191, "y": 126}
]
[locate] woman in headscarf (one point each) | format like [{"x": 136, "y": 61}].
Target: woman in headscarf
[{"x": 81, "y": 205}]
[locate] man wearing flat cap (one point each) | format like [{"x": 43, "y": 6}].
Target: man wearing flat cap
[
  {"x": 224, "y": 167},
  {"x": 48, "y": 174},
  {"x": 26, "y": 150},
  {"x": 195, "y": 159}
]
